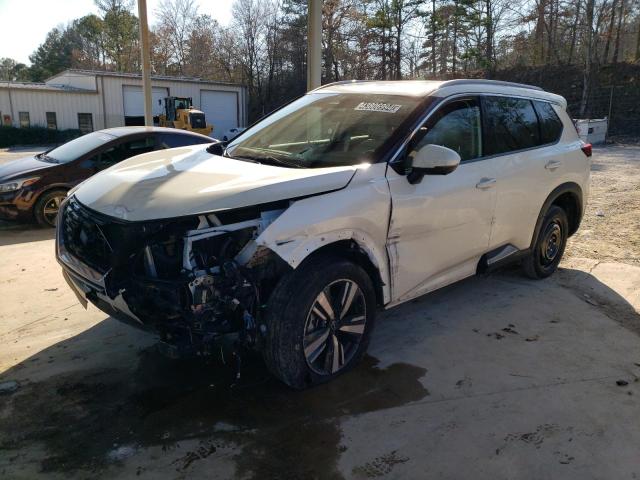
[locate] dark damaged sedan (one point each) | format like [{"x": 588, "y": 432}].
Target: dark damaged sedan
[{"x": 32, "y": 188}]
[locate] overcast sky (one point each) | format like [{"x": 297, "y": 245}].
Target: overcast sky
[{"x": 25, "y": 23}]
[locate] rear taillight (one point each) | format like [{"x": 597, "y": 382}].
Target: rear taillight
[{"x": 586, "y": 149}]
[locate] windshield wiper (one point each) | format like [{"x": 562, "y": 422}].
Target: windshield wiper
[
  {"x": 269, "y": 159},
  {"x": 265, "y": 160},
  {"x": 265, "y": 156},
  {"x": 243, "y": 158}
]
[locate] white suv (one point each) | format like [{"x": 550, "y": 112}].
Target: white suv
[{"x": 356, "y": 196}]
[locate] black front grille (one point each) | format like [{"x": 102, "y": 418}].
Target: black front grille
[{"x": 83, "y": 236}]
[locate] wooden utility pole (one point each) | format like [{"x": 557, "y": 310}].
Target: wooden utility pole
[
  {"x": 314, "y": 44},
  {"x": 588, "y": 61},
  {"x": 146, "y": 62}
]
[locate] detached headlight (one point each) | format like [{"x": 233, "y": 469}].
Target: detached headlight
[{"x": 17, "y": 184}]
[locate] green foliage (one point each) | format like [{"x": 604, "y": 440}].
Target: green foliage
[
  {"x": 10, "y": 136},
  {"x": 109, "y": 41},
  {"x": 88, "y": 42},
  {"x": 13, "y": 71},
  {"x": 53, "y": 56},
  {"x": 121, "y": 37}
]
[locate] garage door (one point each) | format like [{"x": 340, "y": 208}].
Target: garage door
[
  {"x": 220, "y": 109},
  {"x": 134, "y": 103}
]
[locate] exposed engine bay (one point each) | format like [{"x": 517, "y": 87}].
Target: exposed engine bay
[{"x": 193, "y": 280}]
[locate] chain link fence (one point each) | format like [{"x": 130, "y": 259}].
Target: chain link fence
[
  {"x": 620, "y": 104},
  {"x": 614, "y": 92}
]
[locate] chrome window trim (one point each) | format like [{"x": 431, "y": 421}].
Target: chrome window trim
[{"x": 444, "y": 100}]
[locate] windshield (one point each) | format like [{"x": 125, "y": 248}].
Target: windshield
[
  {"x": 76, "y": 148},
  {"x": 183, "y": 103},
  {"x": 325, "y": 129}
]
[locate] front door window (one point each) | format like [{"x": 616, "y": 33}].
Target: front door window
[{"x": 456, "y": 125}]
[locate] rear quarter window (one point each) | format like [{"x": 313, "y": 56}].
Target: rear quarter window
[
  {"x": 550, "y": 123},
  {"x": 510, "y": 124}
]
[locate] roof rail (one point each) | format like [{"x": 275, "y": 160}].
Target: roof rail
[
  {"x": 468, "y": 81},
  {"x": 445, "y": 83},
  {"x": 342, "y": 82}
]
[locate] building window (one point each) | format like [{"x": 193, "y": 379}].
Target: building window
[
  {"x": 85, "y": 122},
  {"x": 24, "y": 119},
  {"x": 52, "y": 124}
]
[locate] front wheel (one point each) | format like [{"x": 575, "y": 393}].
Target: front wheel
[
  {"x": 549, "y": 246},
  {"x": 319, "y": 321},
  {"x": 46, "y": 208}
]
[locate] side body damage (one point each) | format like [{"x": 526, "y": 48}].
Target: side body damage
[{"x": 199, "y": 278}]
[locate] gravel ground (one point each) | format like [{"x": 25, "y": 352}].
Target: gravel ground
[{"x": 610, "y": 229}]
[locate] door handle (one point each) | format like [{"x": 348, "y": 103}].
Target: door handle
[
  {"x": 485, "y": 183},
  {"x": 553, "y": 165}
]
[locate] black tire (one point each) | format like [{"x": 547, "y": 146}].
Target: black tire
[
  {"x": 293, "y": 328},
  {"x": 549, "y": 246},
  {"x": 46, "y": 204}
]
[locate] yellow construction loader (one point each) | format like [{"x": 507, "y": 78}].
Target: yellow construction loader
[{"x": 179, "y": 113}]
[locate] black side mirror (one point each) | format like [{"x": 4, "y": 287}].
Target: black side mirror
[{"x": 217, "y": 148}]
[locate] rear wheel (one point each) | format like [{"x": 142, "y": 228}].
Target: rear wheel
[
  {"x": 319, "y": 321},
  {"x": 47, "y": 206},
  {"x": 550, "y": 244}
]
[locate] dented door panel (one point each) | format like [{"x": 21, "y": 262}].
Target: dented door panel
[{"x": 439, "y": 228}]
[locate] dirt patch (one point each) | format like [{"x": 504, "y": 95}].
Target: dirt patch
[{"x": 610, "y": 229}]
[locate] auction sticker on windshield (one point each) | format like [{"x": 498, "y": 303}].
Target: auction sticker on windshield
[{"x": 377, "y": 107}]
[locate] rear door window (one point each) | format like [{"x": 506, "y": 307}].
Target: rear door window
[
  {"x": 510, "y": 124},
  {"x": 550, "y": 124},
  {"x": 138, "y": 146},
  {"x": 173, "y": 140}
]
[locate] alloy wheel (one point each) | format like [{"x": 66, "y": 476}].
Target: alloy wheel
[
  {"x": 334, "y": 327},
  {"x": 51, "y": 208}
]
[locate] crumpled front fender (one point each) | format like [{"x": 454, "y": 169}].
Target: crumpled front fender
[{"x": 360, "y": 213}]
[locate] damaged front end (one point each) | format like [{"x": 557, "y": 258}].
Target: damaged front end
[{"x": 193, "y": 280}]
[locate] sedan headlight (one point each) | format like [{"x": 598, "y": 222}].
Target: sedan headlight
[{"x": 17, "y": 184}]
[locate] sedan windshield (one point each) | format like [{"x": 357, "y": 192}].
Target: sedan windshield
[
  {"x": 325, "y": 129},
  {"x": 76, "y": 148}
]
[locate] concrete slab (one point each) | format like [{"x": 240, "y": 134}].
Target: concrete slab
[
  {"x": 14, "y": 153},
  {"x": 496, "y": 377}
]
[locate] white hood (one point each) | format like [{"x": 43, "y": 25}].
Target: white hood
[{"x": 189, "y": 180}]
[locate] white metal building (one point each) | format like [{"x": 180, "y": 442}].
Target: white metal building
[{"x": 92, "y": 100}]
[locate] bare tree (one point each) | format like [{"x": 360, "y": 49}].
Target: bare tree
[
  {"x": 616, "y": 49},
  {"x": 177, "y": 21}
]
